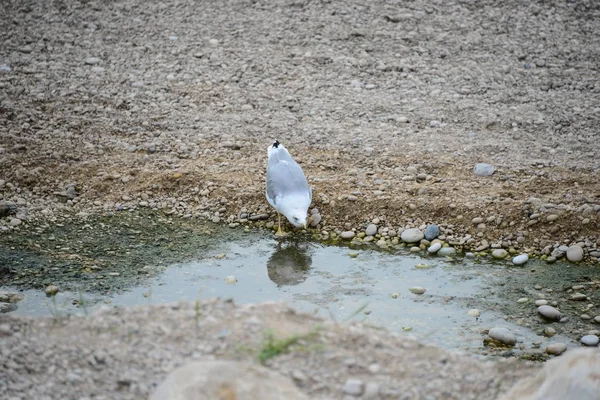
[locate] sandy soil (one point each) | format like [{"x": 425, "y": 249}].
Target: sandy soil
[{"x": 126, "y": 353}]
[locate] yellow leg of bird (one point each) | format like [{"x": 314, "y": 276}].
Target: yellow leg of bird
[{"x": 279, "y": 232}]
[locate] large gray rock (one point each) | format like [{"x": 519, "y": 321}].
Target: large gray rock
[
  {"x": 211, "y": 380},
  {"x": 573, "y": 375}
]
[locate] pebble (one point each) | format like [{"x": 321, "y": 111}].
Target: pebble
[
  {"x": 482, "y": 169},
  {"x": 499, "y": 253},
  {"x": 447, "y": 252},
  {"x": 231, "y": 280},
  {"x": 597, "y": 319},
  {"x": 590, "y": 340},
  {"x": 353, "y": 387},
  {"x": 97, "y": 69},
  {"x": 523, "y": 300},
  {"x": 347, "y": 235},
  {"x": 51, "y": 290},
  {"x": 371, "y": 230},
  {"x": 578, "y": 297},
  {"x": 417, "y": 290},
  {"x": 315, "y": 220},
  {"x": 431, "y": 232},
  {"x": 15, "y": 222},
  {"x": 541, "y": 302},
  {"x": 434, "y": 248},
  {"x": 551, "y": 217},
  {"x": 412, "y": 235},
  {"x": 503, "y": 335},
  {"x": 353, "y": 254},
  {"x": 550, "y": 312},
  {"x": 549, "y": 331},
  {"x": 92, "y": 60},
  {"x": 520, "y": 259},
  {"x": 371, "y": 391},
  {"x": 556, "y": 348},
  {"x": 575, "y": 253},
  {"x": 474, "y": 313}
]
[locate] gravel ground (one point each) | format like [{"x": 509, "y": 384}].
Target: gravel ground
[
  {"x": 125, "y": 353},
  {"x": 171, "y": 105}
]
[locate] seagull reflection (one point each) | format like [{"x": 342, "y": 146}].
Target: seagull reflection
[{"x": 290, "y": 263}]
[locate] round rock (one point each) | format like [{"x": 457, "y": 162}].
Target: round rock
[
  {"x": 412, "y": 235},
  {"x": 590, "y": 340},
  {"x": 503, "y": 335},
  {"x": 432, "y": 231},
  {"x": 353, "y": 387},
  {"x": 447, "y": 252},
  {"x": 499, "y": 254},
  {"x": 575, "y": 253},
  {"x": 371, "y": 230},
  {"x": 550, "y": 312},
  {"x": 556, "y": 348},
  {"x": 417, "y": 290},
  {"x": 434, "y": 248},
  {"x": 520, "y": 259},
  {"x": 347, "y": 235},
  {"x": 482, "y": 169}
]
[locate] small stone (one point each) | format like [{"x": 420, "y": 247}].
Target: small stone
[
  {"x": 353, "y": 387},
  {"x": 590, "y": 340},
  {"x": 92, "y": 60},
  {"x": 520, "y": 259},
  {"x": 434, "y": 248},
  {"x": 549, "y": 331},
  {"x": 578, "y": 297},
  {"x": 597, "y": 319},
  {"x": 417, "y": 290},
  {"x": 474, "y": 313},
  {"x": 231, "y": 280},
  {"x": 15, "y": 222},
  {"x": 97, "y": 69},
  {"x": 482, "y": 169},
  {"x": 220, "y": 256},
  {"x": 556, "y": 348},
  {"x": 523, "y": 300},
  {"x": 499, "y": 254},
  {"x": 371, "y": 230},
  {"x": 412, "y": 235},
  {"x": 353, "y": 254},
  {"x": 551, "y": 217},
  {"x": 541, "y": 302},
  {"x": 51, "y": 290},
  {"x": 431, "y": 232},
  {"x": 315, "y": 220},
  {"x": 371, "y": 391},
  {"x": 503, "y": 335},
  {"x": 347, "y": 235},
  {"x": 550, "y": 312},
  {"x": 435, "y": 124},
  {"x": 447, "y": 252},
  {"x": 575, "y": 253},
  {"x": 585, "y": 317}
]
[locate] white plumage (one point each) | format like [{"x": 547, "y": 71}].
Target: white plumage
[{"x": 287, "y": 189}]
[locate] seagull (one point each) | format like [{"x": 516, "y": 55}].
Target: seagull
[{"x": 287, "y": 189}]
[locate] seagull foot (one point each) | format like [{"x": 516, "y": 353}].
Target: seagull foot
[{"x": 280, "y": 233}]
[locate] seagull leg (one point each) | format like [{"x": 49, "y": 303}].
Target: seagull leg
[{"x": 279, "y": 232}]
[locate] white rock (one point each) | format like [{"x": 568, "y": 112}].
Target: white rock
[
  {"x": 590, "y": 340},
  {"x": 232, "y": 280},
  {"x": 482, "y": 169},
  {"x": 520, "y": 259},
  {"x": 412, "y": 235},
  {"x": 371, "y": 230},
  {"x": 541, "y": 302},
  {"x": 92, "y": 60},
  {"x": 434, "y": 248},
  {"x": 474, "y": 313},
  {"x": 353, "y": 387},
  {"x": 575, "y": 253},
  {"x": 226, "y": 379},
  {"x": 347, "y": 235}
]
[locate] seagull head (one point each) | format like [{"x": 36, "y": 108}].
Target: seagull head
[{"x": 297, "y": 217}]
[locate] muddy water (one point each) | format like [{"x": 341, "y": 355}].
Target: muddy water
[{"x": 360, "y": 284}]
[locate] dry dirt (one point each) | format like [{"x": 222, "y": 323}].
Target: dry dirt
[
  {"x": 125, "y": 353},
  {"x": 173, "y": 104}
]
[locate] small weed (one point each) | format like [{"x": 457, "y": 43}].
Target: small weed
[{"x": 272, "y": 346}]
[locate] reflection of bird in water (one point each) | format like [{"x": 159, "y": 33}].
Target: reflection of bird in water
[{"x": 289, "y": 264}]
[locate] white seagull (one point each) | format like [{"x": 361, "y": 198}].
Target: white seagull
[{"x": 287, "y": 189}]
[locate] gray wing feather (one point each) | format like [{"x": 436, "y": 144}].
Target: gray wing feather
[{"x": 285, "y": 177}]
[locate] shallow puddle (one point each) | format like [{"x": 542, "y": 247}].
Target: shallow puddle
[{"x": 344, "y": 283}]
